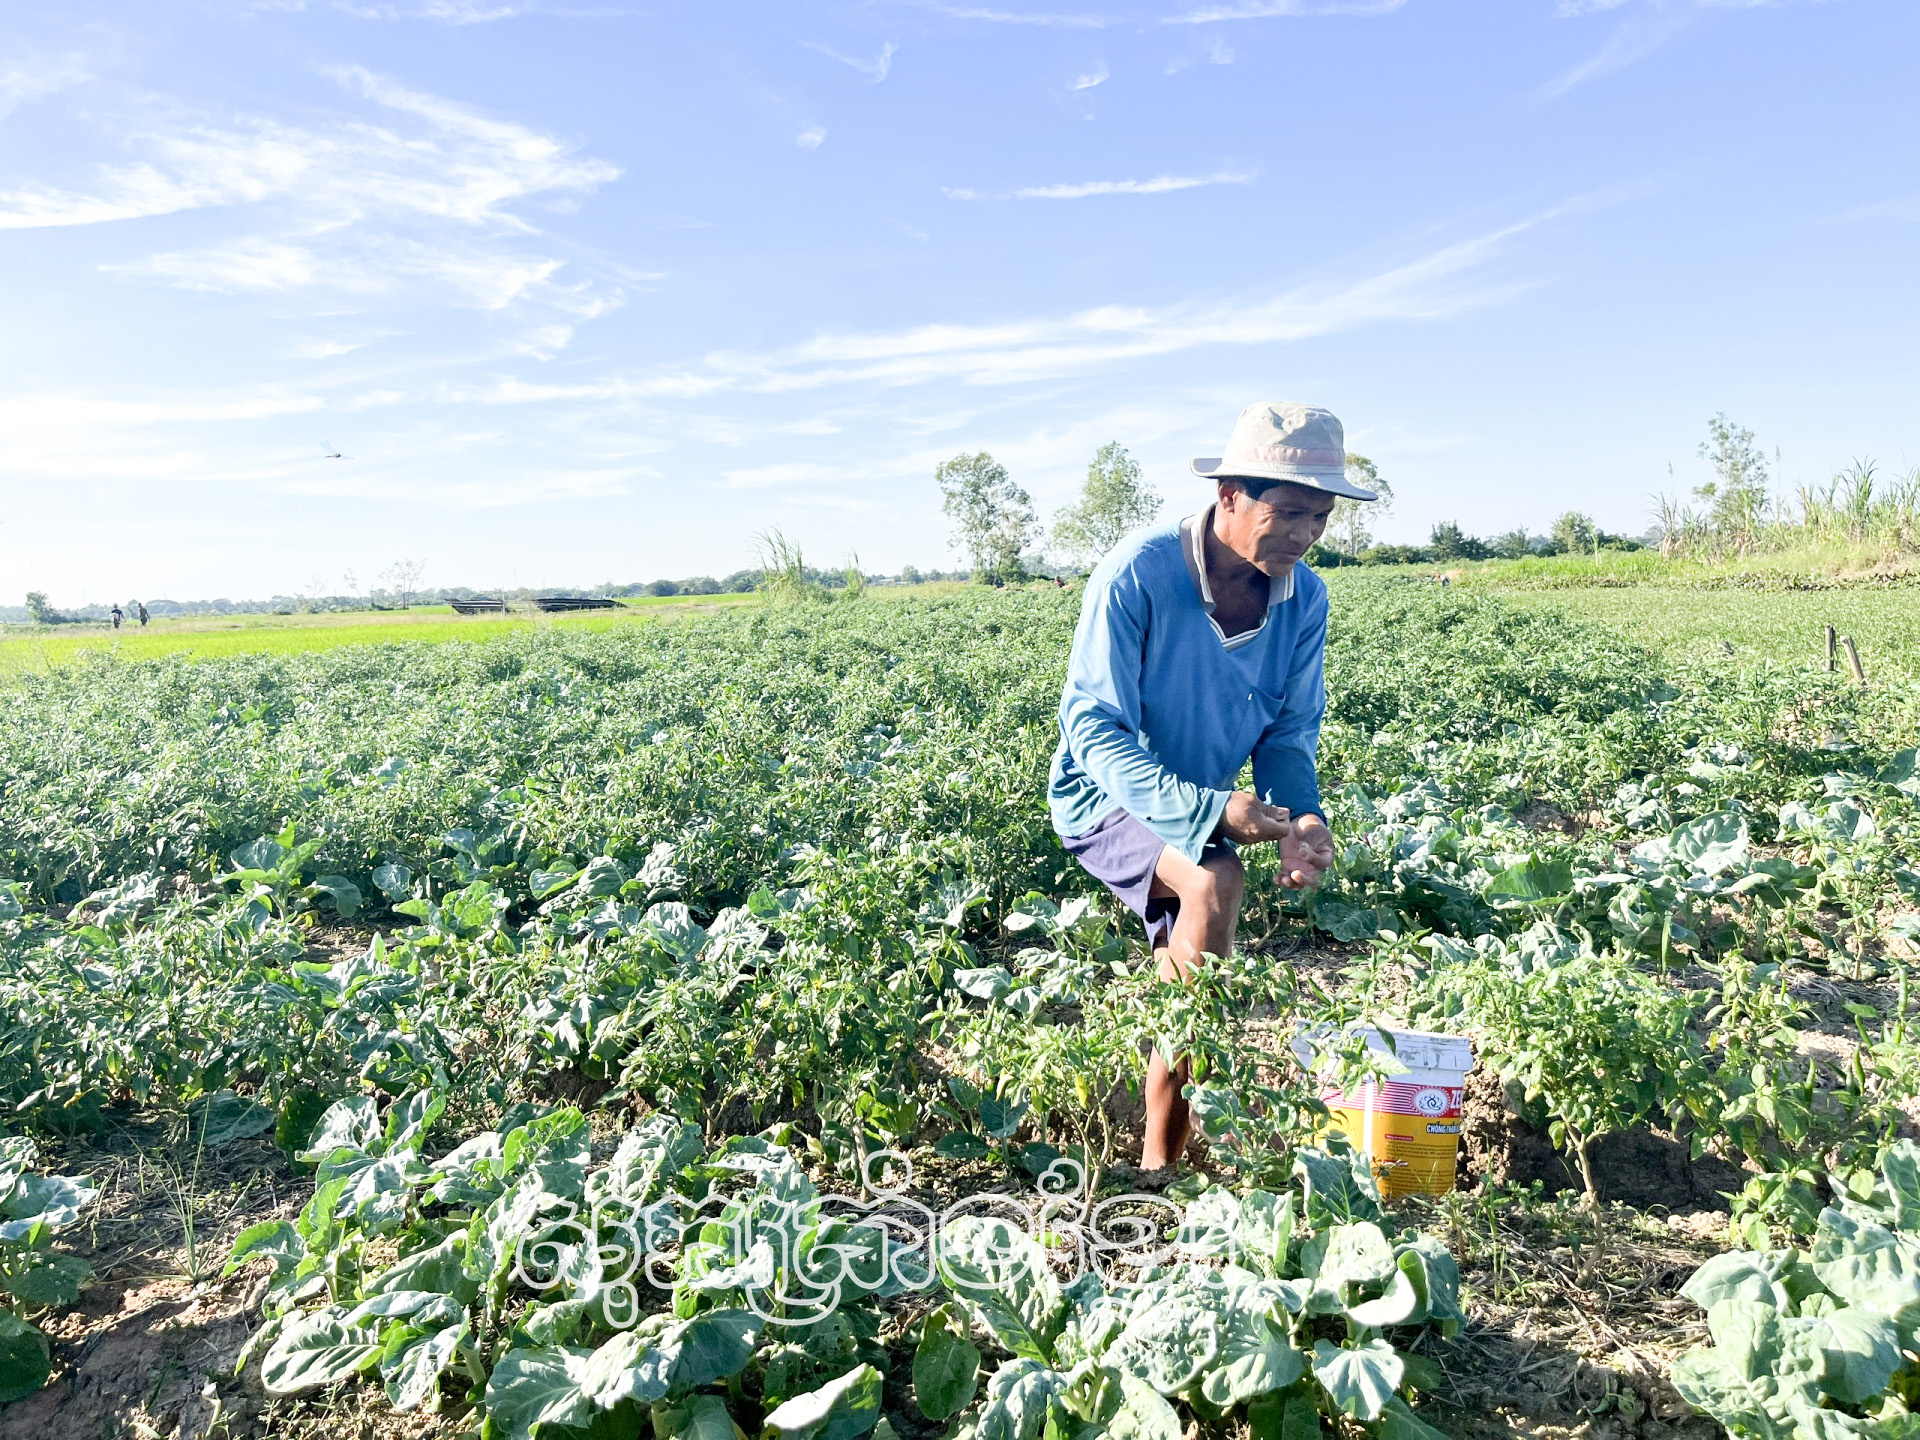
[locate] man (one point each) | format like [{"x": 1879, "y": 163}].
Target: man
[{"x": 1200, "y": 647}]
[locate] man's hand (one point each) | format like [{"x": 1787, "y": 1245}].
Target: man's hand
[
  {"x": 1306, "y": 854},
  {"x": 1249, "y": 820}
]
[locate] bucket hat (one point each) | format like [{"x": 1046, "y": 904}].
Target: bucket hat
[{"x": 1300, "y": 444}]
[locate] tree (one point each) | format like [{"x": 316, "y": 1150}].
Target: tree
[
  {"x": 37, "y": 607},
  {"x": 1515, "y": 544},
  {"x": 1113, "y": 501},
  {"x": 1450, "y": 542},
  {"x": 404, "y": 577},
  {"x": 1573, "y": 533},
  {"x": 1737, "y": 498},
  {"x": 909, "y": 575},
  {"x": 1350, "y": 527},
  {"x": 992, "y": 517}
]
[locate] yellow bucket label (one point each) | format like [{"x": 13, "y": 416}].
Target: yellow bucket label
[{"x": 1410, "y": 1130}]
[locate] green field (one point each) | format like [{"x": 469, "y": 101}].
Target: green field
[
  {"x": 1785, "y": 626},
  {"x": 339, "y": 981},
  {"x": 25, "y": 648}
]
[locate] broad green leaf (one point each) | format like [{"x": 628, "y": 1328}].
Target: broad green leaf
[
  {"x": 1265, "y": 1231},
  {"x": 224, "y": 1116},
  {"x": 1346, "y": 922},
  {"x": 839, "y": 1410},
  {"x": 698, "y": 1417},
  {"x": 318, "y": 1349},
  {"x": 538, "y": 1385},
  {"x": 1397, "y": 1306},
  {"x": 1356, "y": 1254},
  {"x": 987, "y": 983},
  {"x": 346, "y": 895},
  {"x": 1022, "y": 1396},
  {"x": 713, "y": 1346},
  {"x": 542, "y": 883},
  {"x": 437, "y": 1268},
  {"x": 1143, "y": 1414},
  {"x": 1436, "y": 1275},
  {"x": 54, "y": 1201},
  {"x": 1002, "y": 1275},
  {"x": 1712, "y": 844},
  {"x": 45, "y": 1277},
  {"x": 1398, "y": 1422},
  {"x": 1531, "y": 882},
  {"x": 352, "y": 1123},
  {"x": 1361, "y": 1380},
  {"x": 395, "y": 881},
  {"x": 1255, "y": 1357},
  {"x": 960, "y": 1145},
  {"x": 1000, "y": 1117},
  {"x": 1860, "y": 1351},
  {"x": 1339, "y": 1189},
  {"x": 1169, "y": 1342},
  {"x": 1900, "y": 1172},
  {"x": 275, "y": 1240},
  {"x": 946, "y": 1366},
  {"x": 25, "y": 1360},
  {"x": 646, "y": 1159},
  {"x": 262, "y": 854},
  {"x": 409, "y": 1120},
  {"x": 1868, "y": 1267},
  {"x": 420, "y": 1366},
  {"x": 1741, "y": 1275}
]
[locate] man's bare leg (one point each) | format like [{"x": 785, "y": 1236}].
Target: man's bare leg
[{"x": 1209, "y": 895}]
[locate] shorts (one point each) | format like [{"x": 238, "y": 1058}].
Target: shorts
[{"x": 1122, "y": 854}]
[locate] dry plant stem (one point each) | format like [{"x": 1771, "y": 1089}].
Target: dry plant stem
[{"x": 1581, "y": 1145}]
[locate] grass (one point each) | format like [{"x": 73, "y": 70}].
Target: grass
[
  {"x": 1785, "y": 626},
  {"x": 29, "y": 648},
  {"x": 1805, "y": 567}
]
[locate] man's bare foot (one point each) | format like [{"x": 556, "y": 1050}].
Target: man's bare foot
[{"x": 1148, "y": 1178}]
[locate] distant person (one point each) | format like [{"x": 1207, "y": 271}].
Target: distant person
[
  {"x": 144, "y": 617},
  {"x": 1200, "y": 645},
  {"x": 117, "y": 615}
]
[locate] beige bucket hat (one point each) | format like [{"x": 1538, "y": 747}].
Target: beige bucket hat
[{"x": 1300, "y": 444}]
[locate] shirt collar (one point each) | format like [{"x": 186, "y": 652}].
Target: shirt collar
[{"x": 1193, "y": 543}]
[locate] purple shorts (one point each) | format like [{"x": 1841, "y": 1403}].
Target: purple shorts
[{"x": 1121, "y": 854}]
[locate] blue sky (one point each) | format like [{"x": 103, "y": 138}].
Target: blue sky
[{"x": 593, "y": 290}]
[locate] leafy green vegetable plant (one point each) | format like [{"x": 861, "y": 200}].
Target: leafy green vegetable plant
[
  {"x": 35, "y": 1277},
  {"x": 1818, "y": 1341}
]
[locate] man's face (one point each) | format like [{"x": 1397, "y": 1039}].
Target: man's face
[{"x": 1275, "y": 531}]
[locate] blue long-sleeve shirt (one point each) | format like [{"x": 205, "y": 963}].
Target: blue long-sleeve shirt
[{"x": 1161, "y": 709}]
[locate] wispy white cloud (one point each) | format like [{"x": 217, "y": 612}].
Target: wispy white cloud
[
  {"x": 1218, "y": 53},
  {"x": 875, "y": 69},
  {"x": 1098, "y": 75},
  {"x": 464, "y": 167},
  {"x": 22, "y": 81},
  {"x": 470, "y": 12},
  {"x": 1905, "y": 209},
  {"x": 1042, "y": 20},
  {"x": 1283, "y": 10},
  {"x": 811, "y": 137},
  {"x": 1159, "y": 185},
  {"x": 1634, "y": 39},
  {"x": 425, "y": 201}
]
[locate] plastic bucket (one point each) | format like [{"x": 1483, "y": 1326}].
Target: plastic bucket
[{"x": 1408, "y": 1125}]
